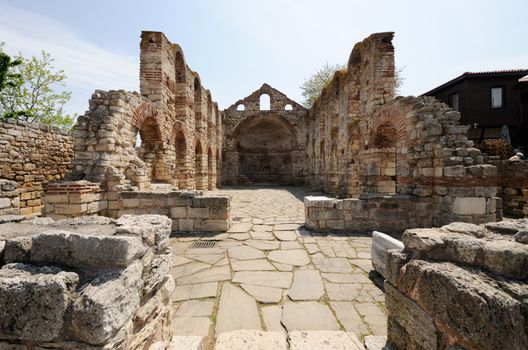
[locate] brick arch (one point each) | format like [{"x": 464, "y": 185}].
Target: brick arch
[
  {"x": 251, "y": 121},
  {"x": 143, "y": 111},
  {"x": 394, "y": 116},
  {"x": 178, "y": 128}
]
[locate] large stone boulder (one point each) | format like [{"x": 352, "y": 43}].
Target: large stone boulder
[
  {"x": 34, "y": 301},
  {"x": 106, "y": 304}
]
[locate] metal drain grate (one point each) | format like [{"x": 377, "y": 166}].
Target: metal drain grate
[{"x": 203, "y": 244}]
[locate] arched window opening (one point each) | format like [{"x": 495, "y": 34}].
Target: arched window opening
[
  {"x": 138, "y": 140},
  {"x": 197, "y": 103},
  {"x": 180, "y": 68},
  {"x": 288, "y": 107},
  {"x": 241, "y": 107},
  {"x": 211, "y": 171},
  {"x": 384, "y": 137},
  {"x": 265, "y": 102}
]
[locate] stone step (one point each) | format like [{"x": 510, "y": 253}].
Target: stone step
[{"x": 298, "y": 340}]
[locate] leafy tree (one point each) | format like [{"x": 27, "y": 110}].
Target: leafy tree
[
  {"x": 33, "y": 94},
  {"x": 6, "y": 65},
  {"x": 313, "y": 86}
]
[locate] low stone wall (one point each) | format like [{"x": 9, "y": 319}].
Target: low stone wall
[
  {"x": 462, "y": 286},
  {"x": 9, "y": 199},
  {"x": 394, "y": 213},
  {"x": 32, "y": 154},
  {"x": 189, "y": 210},
  {"x": 513, "y": 186},
  {"x": 382, "y": 213},
  {"x": 88, "y": 283}
]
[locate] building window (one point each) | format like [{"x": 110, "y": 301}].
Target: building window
[
  {"x": 453, "y": 101},
  {"x": 497, "y": 94}
]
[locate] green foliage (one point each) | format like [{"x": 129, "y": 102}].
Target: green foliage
[
  {"x": 6, "y": 66},
  {"x": 32, "y": 92},
  {"x": 313, "y": 86}
]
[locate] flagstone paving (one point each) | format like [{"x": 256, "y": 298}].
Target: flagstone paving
[{"x": 269, "y": 273}]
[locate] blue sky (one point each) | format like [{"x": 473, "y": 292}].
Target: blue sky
[{"x": 237, "y": 45}]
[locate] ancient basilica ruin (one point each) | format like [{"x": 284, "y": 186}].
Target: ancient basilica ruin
[{"x": 254, "y": 225}]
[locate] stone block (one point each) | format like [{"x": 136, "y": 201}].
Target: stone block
[
  {"x": 319, "y": 201},
  {"x": 381, "y": 243},
  {"x": 417, "y": 326},
  {"x": 178, "y": 212},
  {"x": 34, "y": 301},
  {"x": 154, "y": 230},
  {"x": 57, "y": 247},
  {"x": 5, "y": 203},
  {"x": 215, "y": 225},
  {"x": 131, "y": 202},
  {"x": 70, "y": 209},
  {"x": 198, "y": 213},
  {"x": 469, "y": 206},
  {"x": 106, "y": 304},
  {"x": 17, "y": 249},
  {"x": 186, "y": 225}
]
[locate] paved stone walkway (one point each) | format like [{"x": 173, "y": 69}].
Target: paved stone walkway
[{"x": 268, "y": 273}]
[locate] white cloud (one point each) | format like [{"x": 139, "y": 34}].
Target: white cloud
[{"x": 86, "y": 65}]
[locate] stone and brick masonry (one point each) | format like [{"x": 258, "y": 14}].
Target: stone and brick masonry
[{"x": 31, "y": 155}]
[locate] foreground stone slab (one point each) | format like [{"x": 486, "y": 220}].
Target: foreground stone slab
[
  {"x": 25, "y": 308},
  {"x": 75, "y": 250},
  {"x": 324, "y": 340},
  {"x": 214, "y": 274},
  {"x": 373, "y": 342},
  {"x": 240, "y": 228},
  {"x": 285, "y": 235},
  {"x": 294, "y": 257},
  {"x": 252, "y": 265},
  {"x": 349, "y": 317},
  {"x": 236, "y": 311},
  {"x": 308, "y": 316},
  {"x": 264, "y": 278},
  {"x": 307, "y": 285},
  {"x": 194, "y": 308},
  {"x": 251, "y": 340}
]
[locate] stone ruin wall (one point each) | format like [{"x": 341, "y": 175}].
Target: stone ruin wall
[
  {"x": 85, "y": 283},
  {"x": 410, "y": 148},
  {"x": 462, "y": 286},
  {"x": 266, "y": 146},
  {"x": 513, "y": 186},
  {"x": 180, "y": 131},
  {"x": 30, "y": 155}
]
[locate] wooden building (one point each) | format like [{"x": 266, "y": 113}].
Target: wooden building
[{"x": 488, "y": 101}]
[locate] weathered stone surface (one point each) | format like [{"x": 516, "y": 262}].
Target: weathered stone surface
[
  {"x": 409, "y": 325},
  {"x": 271, "y": 316},
  {"x": 336, "y": 265},
  {"x": 18, "y": 250},
  {"x": 236, "y": 311},
  {"x": 245, "y": 253},
  {"x": 307, "y": 285},
  {"x": 179, "y": 342},
  {"x": 106, "y": 304},
  {"x": 519, "y": 237},
  {"x": 194, "y": 308},
  {"x": 467, "y": 229},
  {"x": 263, "y": 245},
  {"x": 347, "y": 314},
  {"x": 285, "y": 235},
  {"x": 308, "y": 315},
  {"x": 191, "y": 326},
  {"x": 154, "y": 230},
  {"x": 294, "y": 257},
  {"x": 507, "y": 227},
  {"x": 77, "y": 250},
  {"x": 214, "y": 274},
  {"x": 251, "y": 340},
  {"x": 324, "y": 340},
  {"x": 252, "y": 265},
  {"x": 373, "y": 342},
  {"x": 263, "y": 294},
  {"x": 240, "y": 228},
  {"x": 264, "y": 278},
  {"x": 468, "y": 304},
  {"x": 195, "y": 291},
  {"x": 343, "y": 291},
  {"x": 34, "y": 301},
  {"x": 380, "y": 244}
]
